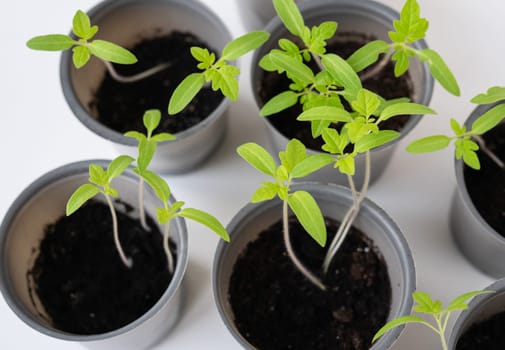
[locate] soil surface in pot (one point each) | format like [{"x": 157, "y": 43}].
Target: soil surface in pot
[
  {"x": 120, "y": 106},
  {"x": 485, "y": 335},
  {"x": 486, "y": 186},
  {"x": 276, "y": 307},
  {"x": 80, "y": 279},
  {"x": 384, "y": 83}
]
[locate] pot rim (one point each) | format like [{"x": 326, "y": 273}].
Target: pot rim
[
  {"x": 112, "y": 135},
  {"x": 49, "y": 178}
]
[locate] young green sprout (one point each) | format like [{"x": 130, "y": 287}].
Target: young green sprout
[
  {"x": 147, "y": 145},
  {"x": 219, "y": 73},
  {"x": 295, "y": 164},
  {"x": 468, "y": 142},
  {"x": 83, "y": 48},
  {"x": 429, "y": 307},
  {"x": 100, "y": 182}
]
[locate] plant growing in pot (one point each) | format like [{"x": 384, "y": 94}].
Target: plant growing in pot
[
  {"x": 477, "y": 221},
  {"x": 283, "y": 98},
  {"x": 83, "y": 285},
  {"x": 110, "y": 108}
]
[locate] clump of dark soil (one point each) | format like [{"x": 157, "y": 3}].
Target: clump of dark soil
[
  {"x": 276, "y": 307},
  {"x": 80, "y": 279},
  {"x": 485, "y": 335},
  {"x": 120, "y": 106}
]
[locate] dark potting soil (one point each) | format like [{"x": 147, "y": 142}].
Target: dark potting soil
[
  {"x": 276, "y": 307},
  {"x": 80, "y": 279},
  {"x": 486, "y": 186},
  {"x": 485, "y": 335},
  {"x": 120, "y": 106},
  {"x": 385, "y": 84}
]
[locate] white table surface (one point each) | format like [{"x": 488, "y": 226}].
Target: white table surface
[{"x": 40, "y": 133}]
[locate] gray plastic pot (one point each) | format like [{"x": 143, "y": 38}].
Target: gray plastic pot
[
  {"x": 479, "y": 309},
  {"x": 255, "y": 14},
  {"x": 22, "y": 229},
  {"x": 477, "y": 240},
  {"x": 334, "y": 200},
  {"x": 125, "y": 23},
  {"x": 360, "y": 16}
]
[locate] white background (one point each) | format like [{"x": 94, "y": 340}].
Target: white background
[{"x": 39, "y": 133}]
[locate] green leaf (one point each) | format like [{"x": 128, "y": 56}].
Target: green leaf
[
  {"x": 342, "y": 73},
  {"x": 367, "y": 55},
  {"x": 80, "y": 56},
  {"x": 440, "y": 70},
  {"x": 243, "y": 44},
  {"x": 111, "y": 52},
  {"x": 425, "y": 303},
  {"x": 295, "y": 152},
  {"x": 279, "y": 103},
  {"x": 404, "y": 109},
  {"x": 258, "y": 157},
  {"x": 81, "y": 26},
  {"x": 290, "y": 16},
  {"x": 488, "y": 120},
  {"x": 334, "y": 142},
  {"x": 411, "y": 27},
  {"x": 135, "y": 134},
  {"x": 164, "y": 136},
  {"x": 225, "y": 81},
  {"x": 493, "y": 94},
  {"x": 346, "y": 165},
  {"x": 146, "y": 151},
  {"x": 207, "y": 220},
  {"x": 80, "y": 196},
  {"x": 366, "y": 103},
  {"x": 309, "y": 215},
  {"x": 311, "y": 164},
  {"x": 471, "y": 159},
  {"x": 459, "y": 130},
  {"x": 185, "y": 92},
  {"x": 333, "y": 114},
  {"x": 151, "y": 120},
  {"x": 159, "y": 185},
  {"x": 460, "y": 302},
  {"x": 293, "y": 67},
  {"x": 203, "y": 55},
  {"x": 118, "y": 166},
  {"x": 395, "y": 323},
  {"x": 402, "y": 62},
  {"x": 51, "y": 42},
  {"x": 429, "y": 144},
  {"x": 265, "y": 193},
  {"x": 371, "y": 141},
  {"x": 97, "y": 175}
]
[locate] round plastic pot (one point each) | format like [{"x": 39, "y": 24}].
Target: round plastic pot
[
  {"x": 22, "y": 229},
  {"x": 125, "y": 23},
  {"x": 359, "y": 16},
  {"x": 334, "y": 201}
]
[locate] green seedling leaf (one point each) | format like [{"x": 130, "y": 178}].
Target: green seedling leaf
[
  {"x": 224, "y": 80},
  {"x": 371, "y": 141},
  {"x": 311, "y": 164},
  {"x": 203, "y": 56},
  {"x": 146, "y": 150},
  {"x": 488, "y": 120},
  {"x": 118, "y": 166},
  {"x": 111, "y": 52},
  {"x": 265, "y": 193},
  {"x": 410, "y": 27},
  {"x": 207, "y": 220},
  {"x": 366, "y": 103},
  {"x": 440, "y": 70},
  {"x": 404, "y": 109},
  {"x": 295, "y": 153},
  {"x": 81, "y": 26},
  {"x": 243, "y": 44},
  {"x": 460, "y": 302},
  {"x": 429, "y": 144},
  {"x": 425, "y": 303},
  {"x": 185, "y": 92},
  {"x": 151, "y": 120},
  {"x": 135, "y": 134},
  {"x": 493, "y": 94},
  {"x": 290, "y": 16},
  {"x": 342, "y": 73},
  {"x": 80, "y": 196},
  {"x": 346, "y": 165},
  {"x": 395, "y": 323},
  {"x": 279, "y": 103},
  {"x": 97, "y": 175},
  {"x": 80, "y": 56},
  {"x": 402, "y": 62},
  {"x": 333, "y": 114},
  {"x": 51, "y": 42},
  {"x": 367, "y": 55},
  {"x": 293, "y": 67},
  {"x": 258, "y": 157},
  {"x": 159, "y": 185},
  {"x": 309, "y": 215}
]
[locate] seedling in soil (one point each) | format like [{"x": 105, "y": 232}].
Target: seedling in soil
[
  {"x": 429, "y": 307},
  {"x": 84, "y": 47},
  {"x": 100, "y": 182},
  {"x": 468, "y": 142}
]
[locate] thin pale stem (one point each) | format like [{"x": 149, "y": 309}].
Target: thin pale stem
[
  {"x": 289, "y": 248},
  {"x": 441, "y": 333},
  {"x": 487, "y": 151},
  {"x": 134, "y": 78},
  {"x": 377, "y": 68},
  {"x": 350, "y": 216},
  {"x": 142, "y": 212},
  {"x": 127, "y": 261},
  {"x": 166, "y": 247}
]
